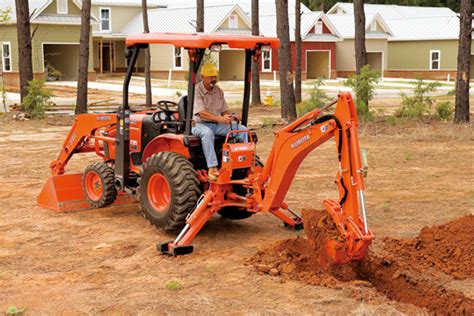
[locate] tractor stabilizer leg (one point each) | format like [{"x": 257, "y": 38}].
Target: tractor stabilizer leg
[
  {"x": 194, "y": 223},
  {"x": 293, "y": 221}
]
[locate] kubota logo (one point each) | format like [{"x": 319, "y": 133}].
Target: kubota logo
[{"x": 300, "y": 141}]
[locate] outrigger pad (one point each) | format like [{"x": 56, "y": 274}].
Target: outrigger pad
[
  {"x": 169, "y": 250},
  {"x": 64, "y": 194},
  {"x": 298, "y": 226}
]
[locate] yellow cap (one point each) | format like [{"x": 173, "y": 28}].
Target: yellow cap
[{"x": 209, "y": 70}]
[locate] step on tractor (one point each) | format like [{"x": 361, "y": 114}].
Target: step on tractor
[{"x": 151, "y": 156}]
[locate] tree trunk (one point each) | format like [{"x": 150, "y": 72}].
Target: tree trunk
[
  {"x": 255, "y": 63},
  {"x": 298, "y": 51},
  {"x": 359, "y": 16},
  {"x": 81, "y": 106},
  {"x": 146, "y": 29},
  {"x": 200, "y": 16},
  {"x": 24, "y": 45},
  {"x": 461, "y": 113},
  {"x": 288, "y": 108}
]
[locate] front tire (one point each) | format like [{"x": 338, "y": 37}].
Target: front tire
[
  {"x": 98, "y": 184},
  {"x": 169, "y": 190}
]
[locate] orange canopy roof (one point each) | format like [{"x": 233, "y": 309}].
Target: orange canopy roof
[{"x": 202, "y": 40}]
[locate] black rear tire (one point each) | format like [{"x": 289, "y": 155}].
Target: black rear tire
[
  {"x": 183, "y": 188},
  {"x": 105, "y": 175}
]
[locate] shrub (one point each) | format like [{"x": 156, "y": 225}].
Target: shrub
[
  {"x": 38, "y": 99},
  {"x": 444, "y": 110},
  {"x": 52, "y": 74},
  {"x": 419, "y": 105},
  {"x": 363, "y": 85},
  {"x": 317, "y": 99}
]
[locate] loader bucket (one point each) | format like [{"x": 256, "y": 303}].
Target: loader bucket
[{"x": 64, "y": 194}]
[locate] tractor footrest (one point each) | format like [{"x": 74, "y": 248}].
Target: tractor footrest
[{"x": 170, "y": 250}]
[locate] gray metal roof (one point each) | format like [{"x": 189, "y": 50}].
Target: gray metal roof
[
  {"x": 321, "y": 38},
  {"x": 266, "y": 7},
  {"x": 34, "y": 6},
  {"x": 391, "y": 11},
  {"x": 37, "y": 6},
  {"x": 66, "y": 19},
  {"x": 345, "y": 25},
  {"x": 129, "y": 3},
  {"x": 406, "y": 23},
  {"x": 182, "y": 20},
  {"x": 425, "y": 28}
]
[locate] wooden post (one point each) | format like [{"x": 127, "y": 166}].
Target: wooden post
[
  {"x": 101, "y": 59},
  {"x": 110, "y": 57},
  {"x": 113, "y": 55}
]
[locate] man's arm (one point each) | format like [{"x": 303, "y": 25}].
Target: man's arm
[{"x": 208, "y": 116}]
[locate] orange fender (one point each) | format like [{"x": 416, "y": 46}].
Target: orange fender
[{"x": 166, "y": 143}]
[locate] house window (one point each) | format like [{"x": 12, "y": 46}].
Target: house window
[
  {"x": 318, "y": 27},
  {"x": 105, "y": 19},
  {"x": 373, "y": 27},
  {"x": 267, "y": 60},
  {"x": 178, "y": 57},
  {"x": 61, "y": 6},
  {"x": 233, "y": 21},
  {"x": 6, "y": 57},
  {"x": 435, "y": 60}
]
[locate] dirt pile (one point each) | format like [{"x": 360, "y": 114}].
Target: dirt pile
[
  {"x": 404, "y": 270},
  {"x": 448, "y": 248}
]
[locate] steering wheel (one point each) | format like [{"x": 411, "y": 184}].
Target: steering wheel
[{"x": 165, "y": 106}]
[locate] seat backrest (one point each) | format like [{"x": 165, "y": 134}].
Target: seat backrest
[{"x": 182, "y": 107}]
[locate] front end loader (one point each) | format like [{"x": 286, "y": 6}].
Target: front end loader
[{"x": 152, "y": 157}]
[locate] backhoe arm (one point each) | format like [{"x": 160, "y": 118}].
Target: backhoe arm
[{"x": 294, "y": 142}]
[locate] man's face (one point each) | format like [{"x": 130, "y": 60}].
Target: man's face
[{"x": 210, "y": 81}]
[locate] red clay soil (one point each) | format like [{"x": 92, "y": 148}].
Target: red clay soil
[{"x": 404, "y": 270}]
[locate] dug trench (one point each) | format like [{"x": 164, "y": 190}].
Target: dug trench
[{"x": 413, "y": 271}]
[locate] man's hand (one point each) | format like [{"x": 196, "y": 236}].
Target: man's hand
[
  {"x": 226, "y": 119},
  {"x": 229, "y": 117}
]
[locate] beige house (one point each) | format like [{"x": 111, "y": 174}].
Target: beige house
[
  {"x": 55, "y": 29},
  {"x": 108, "y": 38},
  {"x": 377, "y": 35},
  {"x": 167, "y": 59},
  {"x": 424, "y": 40}
]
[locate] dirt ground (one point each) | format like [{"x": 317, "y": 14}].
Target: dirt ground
[{"x": 104, "y": 261}]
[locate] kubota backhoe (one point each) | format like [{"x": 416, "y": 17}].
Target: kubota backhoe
[{"x": 152, "y": 156}]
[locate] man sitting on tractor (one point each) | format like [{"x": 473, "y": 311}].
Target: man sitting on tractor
[{"x": 212, "y": 117}]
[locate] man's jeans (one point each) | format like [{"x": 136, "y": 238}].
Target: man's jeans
[{"x": 207, "y": 130}]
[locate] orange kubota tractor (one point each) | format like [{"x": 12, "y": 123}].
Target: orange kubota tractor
[{"x": 152, "y": 156}]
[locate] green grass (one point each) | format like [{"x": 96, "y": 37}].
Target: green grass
[
  {"x": 13, "y": 310},
  {"x": 174, "y": 285}
]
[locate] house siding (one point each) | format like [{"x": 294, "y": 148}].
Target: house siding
[
  {"x": 120, "y": 16},
  {"x": 415, "y": 55},
  {"x": 305, "y": 46},
  {"x": 240, "y": 23},
  {"x": 8, "y": 34},
  {"x": 55, "y": 34},
  {"x": 345, "y": 54}
]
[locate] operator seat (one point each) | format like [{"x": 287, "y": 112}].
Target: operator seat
[{"x": 182, "y": 107}]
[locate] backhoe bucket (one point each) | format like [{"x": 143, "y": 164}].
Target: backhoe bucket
[
  {"x": 64, "y": 194},
  {"x": 352, "y": 244}
]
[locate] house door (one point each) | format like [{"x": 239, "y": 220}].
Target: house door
[
  {"x": 106, "y": 57},
  {"x": 317, "y": 64},
  {"x": 375, "y": 61},
  {"x": 61, "y": 61},
  {"x": 231, "y": 65}
]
